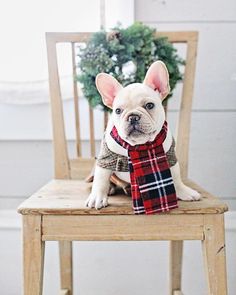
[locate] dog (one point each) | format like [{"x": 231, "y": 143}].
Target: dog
[{"x": 138, "y": 115}]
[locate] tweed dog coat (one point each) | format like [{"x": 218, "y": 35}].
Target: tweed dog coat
[{"x": 152, "y": 186}]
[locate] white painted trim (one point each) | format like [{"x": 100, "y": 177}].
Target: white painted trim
[{"x": 11, "y": 220}]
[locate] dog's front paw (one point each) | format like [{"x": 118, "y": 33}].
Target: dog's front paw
[
  {"x": 186, "y": 193},
  {"x": 96, "y": 201}
]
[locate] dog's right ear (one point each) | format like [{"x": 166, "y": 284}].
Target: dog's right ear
[
  {"x": 157, "y": 77},
  {"x": 108, "y": 87}
]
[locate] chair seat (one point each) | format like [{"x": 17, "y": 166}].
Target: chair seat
[{"x": 66, "y": 197}]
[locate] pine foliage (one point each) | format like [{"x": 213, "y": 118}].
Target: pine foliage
[{"x": 112, "y": 52}]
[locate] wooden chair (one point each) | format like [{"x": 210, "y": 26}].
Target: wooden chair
[{"x": 57, "y": 211}]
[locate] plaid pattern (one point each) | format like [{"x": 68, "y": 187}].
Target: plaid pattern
[
  {"x": 152, "y": 186},
  {"x": 115, "y": 162}
]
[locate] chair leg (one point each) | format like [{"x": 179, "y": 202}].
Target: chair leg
[
  {"x": 176, "y": 254},
  {"x": 214, "y": 254},
  {"x": 65, "y": 250},
  {"x": 33, "y": 255}
]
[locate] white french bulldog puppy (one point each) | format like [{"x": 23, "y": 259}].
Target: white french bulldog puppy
[{"x": 138, "y": 116}]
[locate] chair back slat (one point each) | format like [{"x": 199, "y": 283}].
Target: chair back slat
[
  {"x": 65, "y": 167},
  {"x": 184, "y": 117},
  {"x": 91, "y": 130},
  {"x": 61, "y": 159},
  {"x": 76, "y": 102},
  {"x": 184, "y": 120},
  {"x": 106, "y": 117}
]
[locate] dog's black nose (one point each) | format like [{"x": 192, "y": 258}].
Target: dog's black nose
[{"x": 133, "y": 119}]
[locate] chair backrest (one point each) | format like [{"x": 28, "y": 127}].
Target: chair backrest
[{"x": 66, "y": 168}]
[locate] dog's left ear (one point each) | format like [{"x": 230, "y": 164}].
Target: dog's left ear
[
  {"x": 108, "y": 87},
  {"x": 157, "y": 77}
]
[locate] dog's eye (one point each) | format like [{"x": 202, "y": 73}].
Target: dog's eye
[
  {"x": 149, "y": 106},
  {"x": 118, "y": 111}
]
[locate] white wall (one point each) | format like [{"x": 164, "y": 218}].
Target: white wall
[
  {"x": 26, "y": 163},
  {"x": 26, "y": 157},
  {"x": 25, "y": 131},
  {"x": 213, "y": 132},
  {"x": 22, "y": 28}
]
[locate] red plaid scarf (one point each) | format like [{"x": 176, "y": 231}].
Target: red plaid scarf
[{"x": 152, "y": 186}]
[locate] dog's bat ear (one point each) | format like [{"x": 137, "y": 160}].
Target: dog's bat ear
[
  {"x": 108, "y": 87},
  {"x": 157, "y": 77}
]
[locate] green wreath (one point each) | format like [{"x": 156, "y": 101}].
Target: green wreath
[{"x": 126, "y": 54}]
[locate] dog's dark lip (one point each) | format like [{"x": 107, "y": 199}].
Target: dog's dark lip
[{"x": 134, "y": 130}]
